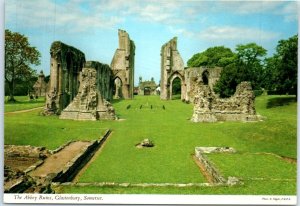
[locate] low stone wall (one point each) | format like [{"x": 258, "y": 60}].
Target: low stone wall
[
  {"x": 76, "y": 164},
  {"x": 208, "y": 107},
  {"x": 25, "y": 151},
  {"x": 19, "y": 160},
  {"x": 21, "y": 182},
  {"x": 16, "y": 181},
  {"x": 210, "y": 168}
]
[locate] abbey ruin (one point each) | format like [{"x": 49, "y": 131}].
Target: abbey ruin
[
  {"x": 122, "y": 66},
  {"x": 40, "y": 86},
  {"x": 172, "y": 67},
  {"x": 66, "y": 63},
  {"x": 208, "y": 107},
  {"x": 82, "y": 90},
  {"x": 197, "y": 87},
  {"x": 90, "y": 103}
]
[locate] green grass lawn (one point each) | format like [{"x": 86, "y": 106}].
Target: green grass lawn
[
  {"x": 167, "y": 124},
  {"x": 23, "y": 103}
]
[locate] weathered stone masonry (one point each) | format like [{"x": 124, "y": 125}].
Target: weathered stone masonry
[
  {"x": 197, "y": 86},
  {"x": 66, "y": 63},
  {"x": 122, "y": 66},
  {"x": 90, "y": 104},
  {"x": 208, "y": 107},
  {"x": 209, "y": 76},
  {"x": 40, "y": 86},
  {"x": 172, "y": 67}
]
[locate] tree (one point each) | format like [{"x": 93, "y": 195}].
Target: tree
[
  {"x": 283, "y": 67},
  {"x": 247, "y": 66},
  {"x": 19, "y": 56},
  {"x": 215, "y": 56}
]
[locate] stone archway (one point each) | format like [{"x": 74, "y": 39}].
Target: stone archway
[
  {"x": 172, "y": 66},
  {"x": 176, "y": 75},
  {"x": 117, "y": 88},
  {"x": 205, "y": 77}
]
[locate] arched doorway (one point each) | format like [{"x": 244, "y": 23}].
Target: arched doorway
[
  {"x": 175, "y": 87},
  {"x": 147, "y": 91},
  {"x": 117, "y": 89},
  {"x": 205, "y": 77}
]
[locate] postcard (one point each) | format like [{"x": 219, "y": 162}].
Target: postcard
[{"x": 150, "y": 102}]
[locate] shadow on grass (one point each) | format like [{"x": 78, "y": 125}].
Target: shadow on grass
[
  {"x": 280, "y": 101},
  {"x": 117, "y": 100}
]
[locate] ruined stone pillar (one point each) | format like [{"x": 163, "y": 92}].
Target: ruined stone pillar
[
  {"x": 122, "y": 64},
  {"x": 171, "y": 62},
  {"x": 62, "y": 89},
  {"x": 53, "y": 73}
]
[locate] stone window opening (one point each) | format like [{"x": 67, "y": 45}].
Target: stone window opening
[{"x": 205, "y": 77}]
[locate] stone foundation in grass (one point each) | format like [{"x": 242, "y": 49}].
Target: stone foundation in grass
[{"x": 210, "y": 169}]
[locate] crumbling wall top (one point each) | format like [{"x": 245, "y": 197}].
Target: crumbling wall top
[
  {"x": 172, "y": 44},
  {"x": 95, "y": 64},
  {"x": 61, "y": 48}
]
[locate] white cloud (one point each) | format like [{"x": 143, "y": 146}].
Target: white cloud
[
  {"x": 249, "y": 7},
  {"x": 290, "y": 11},
  {"x": 66, "y": 17},
  {"x": 236, "y": 33},
  {"x": 82, "y": 15},
  {"x": 183, "y": 32},
  {"x": 167, "y": 12}
]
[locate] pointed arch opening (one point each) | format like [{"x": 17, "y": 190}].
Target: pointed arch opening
[
  {"x": 117, "y": 88},
  {"x": 205, "y": 77}
]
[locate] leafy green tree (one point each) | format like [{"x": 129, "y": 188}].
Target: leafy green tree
[
  {"x": 283, "y": 67},
  {"x": 19, "y": 56},
  {"x": 214, "y": 56},
  {"x": 247, "y": 66}
]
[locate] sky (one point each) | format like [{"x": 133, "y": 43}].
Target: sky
[{"x": 92, "y": 26}]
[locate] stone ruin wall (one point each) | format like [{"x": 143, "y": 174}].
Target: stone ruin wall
[
  {"x": 91, "y": 101},
  {"x": 40, "y": 87},
  {"x": 66, "y": 63},
  {"x": 208, "y": 107},
  {"x": 172, "y": 66},
  {"x": 19, "y": 160},
  {"x": 122, "y": 65},
  {"x": 171, "y": 62},
  {"x": 150, "y": 85},
  {"x": 192, "y": 74}
]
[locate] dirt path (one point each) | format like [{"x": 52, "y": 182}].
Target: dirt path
[
  {"x": 57, "y": 161},
  {"x": 22, "y": 111}
]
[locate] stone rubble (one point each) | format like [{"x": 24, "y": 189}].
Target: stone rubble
[
  {"x": 89, "y": 103},
  {"x": 208, "y": 107}
]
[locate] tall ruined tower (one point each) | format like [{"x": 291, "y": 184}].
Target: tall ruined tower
[
  {"x": 122, "y": 65},
  {"x": 172, "y": 66},
  {"x": 66, "y": 62}
]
